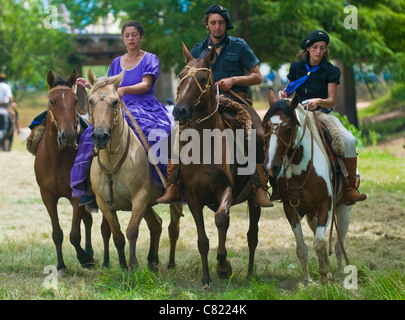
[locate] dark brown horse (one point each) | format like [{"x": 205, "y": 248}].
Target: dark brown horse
[
  {"x": 54, "y": 160},
  {"x": 214, "y": 184}
]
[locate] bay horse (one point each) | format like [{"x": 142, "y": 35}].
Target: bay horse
[
  {"x": 216, "y": 185},
  {"x": 54, "y": 159},
  {"x": 121, "y": 178},
  {"x": 307, "y": 185}
]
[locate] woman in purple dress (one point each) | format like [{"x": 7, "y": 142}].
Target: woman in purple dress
[{"x": 136, "y": 91}]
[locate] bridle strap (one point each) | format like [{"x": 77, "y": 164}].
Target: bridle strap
[
  {"x": 57, "y": 125},
  {"x": 192, "y": 74}
]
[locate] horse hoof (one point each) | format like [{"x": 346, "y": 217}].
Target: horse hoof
[
  {"x": 153, "y": 267},
  {"x": 224, "y": 272},
  {"x": 171, "y": 266},
  {"x": 61, "y": 271}
]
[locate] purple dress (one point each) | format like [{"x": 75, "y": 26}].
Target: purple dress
[{"x": 146, "y": 109}]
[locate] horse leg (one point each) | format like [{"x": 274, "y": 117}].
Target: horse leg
[
  {"x": 106, "y": 234},
  {"x": 343, "y": 221},
  {"x": 88, "y": 223},
  {"x": 202, "y": 242},
  {"x": 302, "y": 249},
  {"x": 252, "y": 235},
  {"x": 154, "y": 223},
  {"x": 139, "y": 208},
  {"x": 118, "y": 236},
  {"x": 57, "y": 233},
  {"x": 174, "y": 230},
  {"x": 85, "y": 258},
  {"x": 224, "y": 269}
]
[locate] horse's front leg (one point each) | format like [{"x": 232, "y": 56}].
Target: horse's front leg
[
  {"x": 202, "y": 242},
  {"x": 106, "y": 234},
  {"x": 224, "y": 269},
  {"x": 343, "y": 220},
  {"x": 85, "y": 258},
  {"x": 154, "y": 223},
  {"x": 57, "y": 233}
]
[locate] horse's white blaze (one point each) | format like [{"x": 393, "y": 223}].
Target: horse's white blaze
[{"x": 273, "y": 141}]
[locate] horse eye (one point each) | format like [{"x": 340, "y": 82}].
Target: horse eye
[
  {"x": 51, "y": 102},
  {"x": 91, "y": 102},
  {"x": 116, "y": 102},
  {"x": 77, "y": 101}
]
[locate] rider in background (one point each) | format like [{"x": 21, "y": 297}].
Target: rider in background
[
  {"x": 235, "y": 68},
  {"x": 315, "y": 81},
  {"x": 7, "y": 105}
]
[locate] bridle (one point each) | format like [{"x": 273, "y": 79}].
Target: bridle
[
  {"x": 192, "y": 74},
  {"x": 295, "y": 192},
  {"x": 76, "y": 124}
]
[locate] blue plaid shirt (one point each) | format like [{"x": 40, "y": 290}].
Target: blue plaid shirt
[{"x": 234, "y": 59}]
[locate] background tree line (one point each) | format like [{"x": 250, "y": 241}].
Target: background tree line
[{"x": 274, "y": 30}]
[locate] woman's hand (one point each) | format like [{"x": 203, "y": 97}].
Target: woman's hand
[
  {"x": 282, "y": 95},
  {"x": 121, "y": 91},
  {"x": 312, "y": 104},
  {"x": 83, "y": 83}
]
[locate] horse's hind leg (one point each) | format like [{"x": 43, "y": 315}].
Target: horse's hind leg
[
  {"x": 85, "y": 258},
  {"x": 174, "y": 230},
  {"x": 154, "y": 223},
  {"x": 106, "y": 234},
  {"x": 343, "y": 221},
  {"x": 252, "y": 235},
  {"x": 88, "y": 223},
  {"x": 57, "y": 233},
  {"x": 224, "y": 269}
]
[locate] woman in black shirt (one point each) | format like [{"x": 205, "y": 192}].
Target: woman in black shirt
[{"x": 315, "y": 81}]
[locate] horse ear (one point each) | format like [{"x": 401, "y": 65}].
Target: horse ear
[
  {"x": 82, "y": 100},
  {"x": 210, "y": 57},
  {"x": 187, "y": 54},
  {"x": 295, "y": 101},
  {"x": 72, "y": 78},
  {"x": 91, "y": 77},
  {"x": 51, "y": 79},
  {"x": 118, "y": 79}
]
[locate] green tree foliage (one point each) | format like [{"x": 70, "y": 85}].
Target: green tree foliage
[{"x": 28, "y": 49}]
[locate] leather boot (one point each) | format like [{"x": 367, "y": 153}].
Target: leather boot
[
  {"x": 172, "y": 192},
  {"x": 351, "y": 195},
  {"x": 261, "y": 188}
]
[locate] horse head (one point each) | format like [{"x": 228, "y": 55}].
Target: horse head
[
  {"x": 195, "y": 88},
  {"x": 105, "y": 106},
  {"x": 63, "y": 108},
  {"x": 281, "y": 125}
]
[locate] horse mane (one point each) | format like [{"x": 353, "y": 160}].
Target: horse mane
[
  {"x": 102, "y": 82},
  {"x": 59, "y": 81},
  {"x": 300, "y": 114}
]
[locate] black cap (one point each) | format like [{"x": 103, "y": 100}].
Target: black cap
[
  {"x": 313, "y": 37},
  {"x": 221, "y": 11}
]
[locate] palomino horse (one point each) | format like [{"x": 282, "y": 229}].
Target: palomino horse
[
  {"x": 54, "y": 160},
  {"x": 121, "y": 179},
  {"x": 215, "y": 185},
  {"x": 297, "y": 158}
]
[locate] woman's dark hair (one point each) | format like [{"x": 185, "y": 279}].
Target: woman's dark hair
[{"x": 132, "y": 23}]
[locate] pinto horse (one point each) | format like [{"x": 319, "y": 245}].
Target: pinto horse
[
  {"x": 54, "y": 160},
  {"x": 215, "y": 185},
  {"x": 121, "y": 178},
  {"x": 307, "y": 186}
]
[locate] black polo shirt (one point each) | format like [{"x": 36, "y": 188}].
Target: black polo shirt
[{"x": 316, "y": 85}]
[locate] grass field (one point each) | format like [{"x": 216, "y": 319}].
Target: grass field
[{"x": 375, "y": 245}]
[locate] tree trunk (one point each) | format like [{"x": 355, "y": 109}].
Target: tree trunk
[{"x": 346, "y": 94}]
